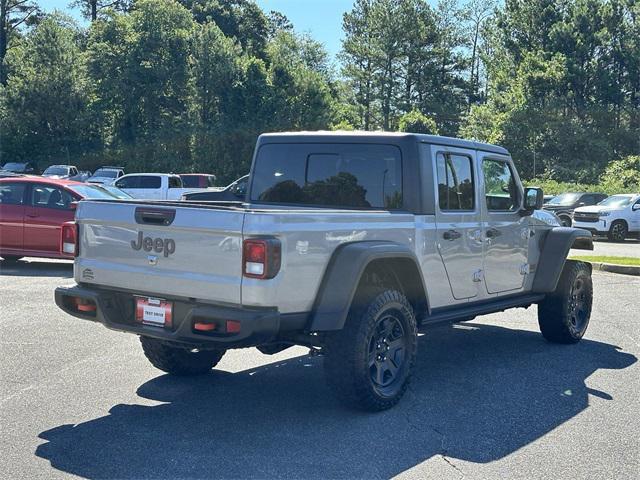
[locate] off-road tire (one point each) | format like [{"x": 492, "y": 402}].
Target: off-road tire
[
  {"x": 564, "y": 315},
  {"x": 177, "y": 360},
  {"x": 618, "y": 231},
  {"x": 348, "y": 352},
  {"x": 11, "y": 258}
]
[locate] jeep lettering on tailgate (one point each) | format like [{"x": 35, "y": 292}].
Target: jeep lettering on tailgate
[{"x": 159, "y": 245}]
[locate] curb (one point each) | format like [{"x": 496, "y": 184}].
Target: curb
[{"x": 623, "y": 269}]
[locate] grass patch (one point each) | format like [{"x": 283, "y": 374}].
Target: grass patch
[{"x": 605, "y": 259}]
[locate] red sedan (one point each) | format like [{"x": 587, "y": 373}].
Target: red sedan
[{"x": 32, "y": 211}]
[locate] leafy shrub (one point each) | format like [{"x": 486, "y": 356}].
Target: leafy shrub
[{"x": 417, "y": 122}]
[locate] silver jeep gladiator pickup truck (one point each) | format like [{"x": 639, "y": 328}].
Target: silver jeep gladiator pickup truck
[{"x": 348, "y": 243}]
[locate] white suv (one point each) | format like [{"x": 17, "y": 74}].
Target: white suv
[{"x": 616, "y": 217}]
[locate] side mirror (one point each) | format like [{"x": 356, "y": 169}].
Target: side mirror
[
  {"x": 636, "y": 207},
  {"x": 581, "y": 204},
  {"x": 73, "y": 206},
  {"x": 533, "y": 199}
]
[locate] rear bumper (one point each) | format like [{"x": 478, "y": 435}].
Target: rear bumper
[{"x": 116, "y": 311}]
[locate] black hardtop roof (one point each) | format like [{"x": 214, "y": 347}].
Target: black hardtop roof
[{"x": 376, "y": 137}]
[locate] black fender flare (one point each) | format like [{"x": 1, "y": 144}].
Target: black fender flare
[
  {"x": 554, "y": 250},
  {"x": 342, "y": 276}
]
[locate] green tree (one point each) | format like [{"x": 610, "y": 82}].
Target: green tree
[
  {"x": 416, "y": 122},
  {"x": 358, "y": 58},
  {"x": 563, "y": 86},
  {"x": 13, "y": 15},
  {"x": 239, "y": 19},
  {"x": 622, "y": 175},
  {"x": 401, "y": 54},
  {"x": 45, "y": 102},
  {"x": 142, "y": 63},
  {"x": 91, "y": 8}
]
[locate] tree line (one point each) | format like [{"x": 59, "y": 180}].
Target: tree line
[{"x": 188, "y": 85}]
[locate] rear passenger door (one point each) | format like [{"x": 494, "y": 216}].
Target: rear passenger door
[
  {"x": 459, "y": 236},
  {"x": 506, "y": 232}
]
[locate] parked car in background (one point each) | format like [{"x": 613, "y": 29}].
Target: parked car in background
[
  {"x": 234, "y": 192},
  {"x": 20, "y": 167},
  {"x": 617, "y": 217},
  {"x": 548, "y": 198},
  {"x": 6, "y": 173},
  {"x": 33, "y": 210},
  {"x": 198, "y": 180},
  {"x": 106, "y": 175},
  {"x": 564, "y": 204},
  {"x": 66, "y": 172},
  {"x": 153, "y": 186}
]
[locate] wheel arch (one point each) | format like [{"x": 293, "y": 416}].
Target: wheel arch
[
  {"x": 620, "y": 220},
  {"x": 555, "y": 247},
  {"x": 353, "y": 263}
]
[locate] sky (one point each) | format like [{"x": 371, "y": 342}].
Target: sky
[{"x": 320, "y": 18}]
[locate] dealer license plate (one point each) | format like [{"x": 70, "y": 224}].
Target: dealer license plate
[{"x": 153, "y": 311}]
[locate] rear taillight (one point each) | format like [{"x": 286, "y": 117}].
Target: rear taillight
[
  {"x": 261, "y": 258},
  {"x": 69, "y": 240}
]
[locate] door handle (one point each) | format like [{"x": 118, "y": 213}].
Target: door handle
[
  {"x": 31, "y": 215},
  {"x": 493, "y": 232},
  {"x": 451, "y": 235}
]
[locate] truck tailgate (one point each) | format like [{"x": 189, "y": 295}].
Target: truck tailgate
[{"x": 197, "y": 254}]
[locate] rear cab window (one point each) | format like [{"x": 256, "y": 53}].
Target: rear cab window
[{"x": 358, "y": 176}]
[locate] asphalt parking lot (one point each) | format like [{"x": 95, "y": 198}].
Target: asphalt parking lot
[{"x": 490, "y": 399}]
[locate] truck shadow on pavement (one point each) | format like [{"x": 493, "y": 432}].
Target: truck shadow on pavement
[
  {"x": 24, "y": 268},
  {"x": 479, "y": 392}
]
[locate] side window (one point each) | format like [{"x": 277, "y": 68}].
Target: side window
[
  {"x": 149, "y": 181},
  {"x": 500, "y": 187},
  {"x": 455, "y": 182},
  {"x": 129, "y": 182},
  {"x": 12, "y": 193},
  {"x": 74, "y": 171},
  {"x": 45, "y": 196},
  {"x": 211, "y": 181},
  {"x": 588, "y": 199},
  {"x": 174, "y": 182}
]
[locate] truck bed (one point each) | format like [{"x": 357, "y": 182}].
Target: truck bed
[{"x": 205, "y": 259}]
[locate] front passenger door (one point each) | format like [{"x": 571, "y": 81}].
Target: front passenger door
[
  {"x": 506, "y": 232},
  {"x": 49, "y": 208}
]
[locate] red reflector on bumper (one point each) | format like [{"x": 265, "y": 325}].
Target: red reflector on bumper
[
  {"x": 83, "y": 305},
  {"x": 233, "y": 326},
  {"x": 204, "y": 327}
]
